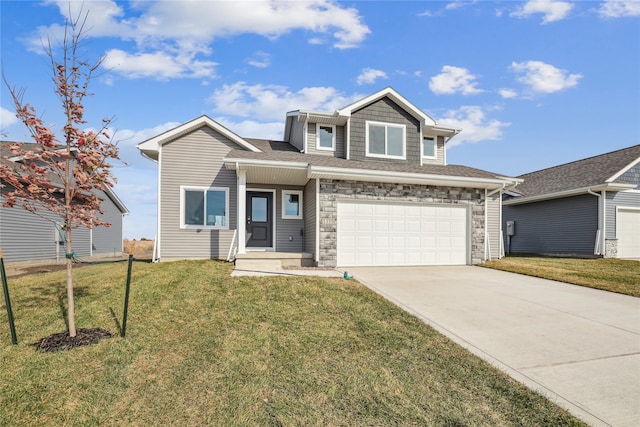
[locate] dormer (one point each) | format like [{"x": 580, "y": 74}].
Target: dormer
[{"x": 383, "y": 126}]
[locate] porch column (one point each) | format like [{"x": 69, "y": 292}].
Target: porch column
[{"x": 242, "y": 210}]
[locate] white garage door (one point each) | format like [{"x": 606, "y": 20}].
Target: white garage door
[
  {"x": 401, "y": 234},
  {"x": 628, "y": 233}
]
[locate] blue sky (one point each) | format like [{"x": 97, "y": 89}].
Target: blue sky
[{"x": 533, "y": 83}]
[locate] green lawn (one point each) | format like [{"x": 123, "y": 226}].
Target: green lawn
[
  {"x": 203, "y": 348},
  {"x": 614, "y": 275}
]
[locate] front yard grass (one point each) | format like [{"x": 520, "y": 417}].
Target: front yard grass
[
  {"x": 613, "y": 275},
  {"x": 203, "y": 348}
]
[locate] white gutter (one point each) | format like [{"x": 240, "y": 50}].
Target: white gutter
[
  {"x": 401, "y": 177},
  {"x": 566, "y": 193},
  {"x": 233, "y": 164}
]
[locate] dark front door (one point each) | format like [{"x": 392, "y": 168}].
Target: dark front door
[{"x": 259, "y": 219}]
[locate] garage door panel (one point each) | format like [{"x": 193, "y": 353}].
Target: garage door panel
[
  {"x": 401, "y": 234},
  {"x": 628, "y": 233}
]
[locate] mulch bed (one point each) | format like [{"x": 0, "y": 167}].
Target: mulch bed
[{"x": 62, "y": 341}]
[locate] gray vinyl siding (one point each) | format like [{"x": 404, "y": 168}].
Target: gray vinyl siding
[
  {"x": 108, "y": 240},
  {"x": 194, "y": 159},
  {"x": 627, "y": 199},
  {"x": 311, "y": 142},
  {"x": 25, "y": 236},
  {"x": 310, "y": 216},
  {"x": 493, "y": 225},
  {"x": 439, "y": 160},
  {"x": 286, "y": 228},
  {"x": 385, "y": 111},
  {"x": 296, "y": 138},
  {"x": 558, "y": 226}
]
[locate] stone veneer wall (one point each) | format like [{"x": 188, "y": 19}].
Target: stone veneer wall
[
  {"x": 331, "y": 191},
  {"x": 610, "y": 248}
]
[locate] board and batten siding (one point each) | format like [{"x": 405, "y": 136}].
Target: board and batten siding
[
  {"x": 493, "y": 225},
  {"x": 559, "y": 226},
  {"x": 285, "y": 228},
  {"x": 312, "y": 142},
  {"x": 195, "y": 159},
  {"x": 384, "y": 111},
  {"x": 309, "y": 210}
]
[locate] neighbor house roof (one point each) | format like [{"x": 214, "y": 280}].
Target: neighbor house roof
[
  {"x": 5, "y": 156},
  {"x": 595, "y": 173}
]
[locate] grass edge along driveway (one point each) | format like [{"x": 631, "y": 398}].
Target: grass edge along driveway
[
  {"x": 203, "y": 348},
  {"x": 607, "y": 274}
]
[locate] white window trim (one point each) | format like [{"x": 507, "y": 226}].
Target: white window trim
[
  {"x": 184, "y": 188},
  {"x": 284, "y": 194},
  {"x": 435, "y": 147},
  {"x": 333, "y": 139},
  {"x": 387, "y": 156}
]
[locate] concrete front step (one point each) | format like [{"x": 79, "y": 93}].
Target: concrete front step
[{"x": 269, "y": 260}]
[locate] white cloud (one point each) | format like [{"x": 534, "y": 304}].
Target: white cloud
[
  {"x": 544, "y": 78},
  {"x": 7, "y": 118},
  {"x": 272, "y": 102},
  {"x": 459, "y": 3},
  {"x": 259, "y": 60},
  {"x": 552, "y": 10},
  {"x": 454, "y": 80},
  {"x": 254, "y": 129},
  {"x": 507, "y": 93},
  {"x": 370, "y": 75},
  {"x": 619, "y": 8},
  {"x": 158, "y": 65},
  {"x": 474, "y": 123}
]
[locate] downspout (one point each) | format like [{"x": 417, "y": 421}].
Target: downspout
[
  {"x": 599, "y": 246},
  {"x": 487, "y": 245}
]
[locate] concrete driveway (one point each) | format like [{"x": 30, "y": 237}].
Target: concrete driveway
[{"x": 578, "y": 346}]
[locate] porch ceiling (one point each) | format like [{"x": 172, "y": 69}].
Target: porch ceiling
[{"x": 274, "y": 174}]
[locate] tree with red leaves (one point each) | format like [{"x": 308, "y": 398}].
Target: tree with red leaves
[{"x": 64, "y": 178}]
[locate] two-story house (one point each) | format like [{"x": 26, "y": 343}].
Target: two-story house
[{"x": 368, "y": 184}]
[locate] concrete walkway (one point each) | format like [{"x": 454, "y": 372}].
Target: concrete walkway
[{"x": 578, "y": 346}]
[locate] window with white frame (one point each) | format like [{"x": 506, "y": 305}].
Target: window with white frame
[
  {"x": 429, "y": 147},
  {"x": 203, "y": 207},
  {"x": 325, "y": 137},
  {"x": 385, "y": 140},
  {"x": 291, "y": 204}
]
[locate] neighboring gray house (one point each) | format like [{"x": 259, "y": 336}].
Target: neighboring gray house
[
  {"x": 25, "y": 236},
  {"x": 368, "y": 184},
  {"x": 587, "y": 207}
]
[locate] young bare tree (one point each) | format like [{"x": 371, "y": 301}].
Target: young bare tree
[{"x": 65, "y": 177}]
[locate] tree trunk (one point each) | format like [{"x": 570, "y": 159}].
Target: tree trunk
[{"x": 70, "y": 304}]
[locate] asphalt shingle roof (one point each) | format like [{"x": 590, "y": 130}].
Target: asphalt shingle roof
[{"x": 579, "y": 174}]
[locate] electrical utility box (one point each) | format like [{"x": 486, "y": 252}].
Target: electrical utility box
[{"x": 511, "y": 228}]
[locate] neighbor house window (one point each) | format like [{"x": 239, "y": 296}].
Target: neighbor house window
[
  {"x": 429, "y": 147},
  {"x": 291, "y": 204},
  {"x": 325, "y": 137},
  {"x": 385, "y": 140},
  {"x": 204, "y": 207}
]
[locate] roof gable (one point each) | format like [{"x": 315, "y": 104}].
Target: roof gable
[
  {"x": 590, "y": 172},
  {"x": 151, "y": 147}
]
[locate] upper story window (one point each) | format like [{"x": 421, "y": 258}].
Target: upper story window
[
  {"x": 203, "y": 207},
  {"x": 291, "y": 204},
  {"x": 325, "y": 137},
  {"x": 429, "y": 147},
  {"x": 386, "y": 140}
]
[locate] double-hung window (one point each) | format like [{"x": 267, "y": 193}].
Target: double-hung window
[
  {"x": 325, "y": 137},
  {"x": 429, "y": 147},
  {"x": 203, "y": 207},
  {"x": 385, "y": 140}
]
